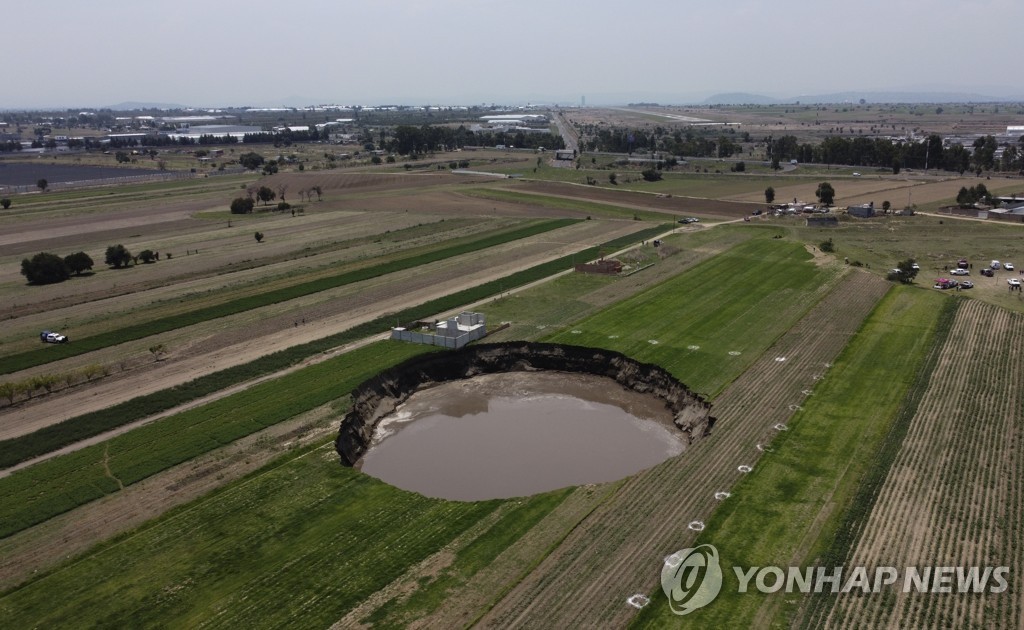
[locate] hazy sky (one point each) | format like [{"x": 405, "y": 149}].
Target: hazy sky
[{"x": 72, "y": 53}]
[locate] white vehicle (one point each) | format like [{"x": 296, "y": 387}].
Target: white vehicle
[
  {"x": 1008, "y": 266},
  {"x": 856, "y": 174},
  {"x": 960, "y": 272},
  {"x": 51, "y": 337},
  {"x": 1013, "y": 282},
  {"x": 995, "y": 264}
]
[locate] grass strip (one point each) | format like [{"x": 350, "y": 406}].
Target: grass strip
[
  {"x": 855, "y": 519},
  {"x": 32, "y": 358},
  {"x": 52, "y": 487}
]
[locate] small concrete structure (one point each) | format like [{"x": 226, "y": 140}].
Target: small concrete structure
[{"x": 454, "y": 332}]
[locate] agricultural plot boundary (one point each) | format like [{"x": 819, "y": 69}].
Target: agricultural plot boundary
[
  {"x": 953, "y": 496},
  {"x": 32, "y": 358},
  {"x": 618, "y": 551},
  {"x": 41, "y": 482},
  {"x": 792, "y": 501}
]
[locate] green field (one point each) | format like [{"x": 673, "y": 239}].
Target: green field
[
  {"x": 690, "y": 324},
  {"x": 786, "y": 512}
]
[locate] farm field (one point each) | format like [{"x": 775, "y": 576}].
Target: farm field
[
  {"x": 126, "y": 475},
  {"x": 796, "y": 492},
  {"x": 956, "y": 484},
  {"x": 857, "y": 421}
]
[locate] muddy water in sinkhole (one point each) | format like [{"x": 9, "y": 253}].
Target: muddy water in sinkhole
[{"x": 519, "y": 433}]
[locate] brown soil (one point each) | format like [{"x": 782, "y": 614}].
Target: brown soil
[{"x": 672, "y": 206}]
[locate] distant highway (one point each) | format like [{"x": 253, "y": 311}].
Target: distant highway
[{"x": 572, "y": 141}]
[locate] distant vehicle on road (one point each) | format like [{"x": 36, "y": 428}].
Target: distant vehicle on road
[{"x": 52, "y": 337}]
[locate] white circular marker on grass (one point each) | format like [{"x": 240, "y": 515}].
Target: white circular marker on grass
[
  {"x": 780, "y": 359},
  {"x": 693, "y": 347},
  {"x": 576, "y": 332},
  {"x": 780, "y": 427},
  {"x": 806, "y": 392},
  {"x": 734, "y": 353},
  {"x": 653, "y": 342},
  {"x": 744, "y": 468},
  {"x": 697, "y": 526},
  {"x": 721, "y": 496},
  {"x": 638, "y": 601},
  {"x": 613, "y": 336}
]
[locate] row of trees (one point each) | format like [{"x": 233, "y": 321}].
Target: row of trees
[
  {"x": 266, "y": 194},
  {"x": 47, "y": 268},
  {"x": 825, "y": 193}
]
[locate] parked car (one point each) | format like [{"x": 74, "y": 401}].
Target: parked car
[
  {"x": 994, "y": 264},
  {"x": 966, "y": 284},
  {"x": 960, "y": 271},
  {"x": 1008, "y": 266},
  {"x": 856, "y": 174},
  {"x": 1013, "y": 282},
  {"x": 52, "y": 337},
  {"x": 915, "y": 267},
  {"x": 988, "y": 272},
  {"x": 962, "y": 263}
]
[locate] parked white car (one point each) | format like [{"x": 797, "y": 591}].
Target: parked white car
[
  {"x": 52, "y": 337},
  {"x": 960, "y": 272},
  {"x": 1013, "y": 282},
  {"x": 1008, "y": 266}
]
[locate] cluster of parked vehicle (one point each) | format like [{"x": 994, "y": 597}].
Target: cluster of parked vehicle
[{"x": 963, "y": 269}]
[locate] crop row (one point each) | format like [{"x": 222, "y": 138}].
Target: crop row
[
  {"x": 793, "y": 498},
  {"x": 307, "y": 539},
  {"x": 32, "y": 358},
  {"x": 958, "y": 479},
  {"x": 54, "y": 486}
]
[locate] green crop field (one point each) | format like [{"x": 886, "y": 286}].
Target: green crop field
[
  {"x": 787, "y": 510},
  {"x": 707, "y": 325}
]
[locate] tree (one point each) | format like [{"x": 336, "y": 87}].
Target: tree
[
  {"x": 259, "y": 237},
  {"x": 651, "y": 175},
  {"x": 376, "y": 159},
  {"x": 896, "y": 166},
  {"x": 251, "y": 160},
  {"x": 45, "y": 268},
  {"x": 5, "y": 202},
  {"x": 769, "y": 194},
  {"x": 78, "y": 262},
  {"x": 886, "y": 205},
  {"x": 118, "y": 256},
  {"x": 147, "y": 256},
  {"x": 42, "y": 184},
  {"x": 825, "y": 193},
  {"x": 281, "y": 190},
  {"x": 265, "y": 194},
  {"x": 827, "y": 246},
  {"x": 242, "y": 205},
  {"x": 613, "y": 179},
  {"x": 906, "y": 274},
  {"x": 740, "y": 167},
  {"x": 775, "y": 164},
  {"x": 319, "y": 192}
]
